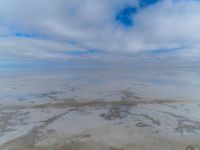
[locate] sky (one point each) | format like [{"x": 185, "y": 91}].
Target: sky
[{"x": 161, "y": 31}]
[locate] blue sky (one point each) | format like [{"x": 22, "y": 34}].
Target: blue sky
[{"x": 102, "y": 30}]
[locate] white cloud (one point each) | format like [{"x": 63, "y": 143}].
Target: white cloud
[{"x": 61, "y": 25}]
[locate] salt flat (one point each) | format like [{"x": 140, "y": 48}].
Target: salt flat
[
  {"x": 50, "y": 112},
  {"x": 101, "y": 125}
]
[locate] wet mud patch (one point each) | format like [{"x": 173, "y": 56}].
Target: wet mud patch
[{"x": 116, "y": 112}]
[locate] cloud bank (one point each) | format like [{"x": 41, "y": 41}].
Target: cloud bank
[{"x": 60, "y": 29}]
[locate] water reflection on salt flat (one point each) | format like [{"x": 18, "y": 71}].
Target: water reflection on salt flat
[{"x": 93, "y": 83}]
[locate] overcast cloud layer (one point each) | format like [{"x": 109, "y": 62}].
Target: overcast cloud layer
[{"x": 55, "y": 29}]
